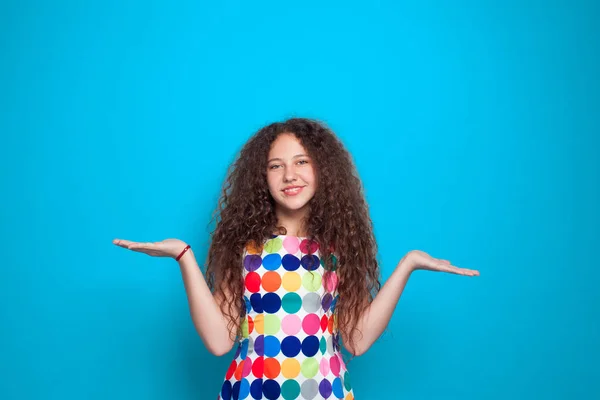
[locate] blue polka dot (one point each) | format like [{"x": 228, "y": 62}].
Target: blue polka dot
[
  {"x": 256, "y": 389},
  {"x": 290, "y": 262},
  {"x": 290, "y": 346},
  {"x": 244, "y": 349},
  {"x": 271, "y": 303},
  {"x": 256, "y": 302},
  {"x": 271, "y": 389},
  {"x": 310, "y": 262},
  {"x": 235, "y": 393},
  {"x": 333, "y": 303},
  {"x": 248, "y": 305},
  {"x": 310, "y": 346},
  {"x": 244, "y": 388},
  {"x": 226, "y": 390},
  {"x": 337, "y": 388},
  {"x": 272, "y": 346},
  {"x": 272, "y": 261}
]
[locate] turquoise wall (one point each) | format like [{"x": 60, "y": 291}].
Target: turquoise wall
[{"x": 474, "y": 125}]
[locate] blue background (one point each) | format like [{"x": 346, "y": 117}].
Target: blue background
[{"x": 474, "y": 126}]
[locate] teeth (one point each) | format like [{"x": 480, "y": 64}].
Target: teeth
[{"x": 295, "y": 190}]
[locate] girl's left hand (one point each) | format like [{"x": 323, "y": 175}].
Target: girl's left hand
[{"x": 417, "y": 259}]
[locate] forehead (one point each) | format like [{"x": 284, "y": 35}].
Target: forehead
[{"x": 286, "y": 145}]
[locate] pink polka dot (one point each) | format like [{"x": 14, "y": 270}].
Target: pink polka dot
[
  {"x": 247, "y": 367},
  {"x": 305, "y": 244},
  {"x": 291, "y": 324},
  {"x": 331, "y": 281},
  {"x": 334, "y": 363},
  {"x": 311, "y": 324},
  {"x": 341, "y": 360},
  {"x": 291, "y": 244},
  {"x": 324, "y": 366}
]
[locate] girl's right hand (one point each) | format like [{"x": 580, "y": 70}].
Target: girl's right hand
[{"x": 167, "y": 248}]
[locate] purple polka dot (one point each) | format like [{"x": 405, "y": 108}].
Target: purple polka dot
[
  {"x": 252, "y": 262},
  {"x": 326, "y": 302},
  {"x": 259, "y": 345},
  {"x": 325, "y": 388}
]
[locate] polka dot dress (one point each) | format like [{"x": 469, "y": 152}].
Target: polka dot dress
[{"x": 289, "y": 347}]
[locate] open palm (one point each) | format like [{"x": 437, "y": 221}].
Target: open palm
[
  {"x": 417, "y": 259},
  {"x": 166, "y": 248}
]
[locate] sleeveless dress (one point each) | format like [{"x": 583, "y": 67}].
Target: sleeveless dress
[{"x": 290, "y": 344}]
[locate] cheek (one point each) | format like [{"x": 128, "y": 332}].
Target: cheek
[{"x": 272, "y": 183}]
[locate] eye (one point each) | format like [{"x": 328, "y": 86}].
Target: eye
[
  {"x": 303, "y": 161},
  {"x": 273, "y": 166}
]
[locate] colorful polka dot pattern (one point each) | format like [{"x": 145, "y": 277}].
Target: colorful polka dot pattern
[{"x": 290, "y": 346}]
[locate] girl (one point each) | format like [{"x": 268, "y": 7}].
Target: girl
[{"x": 291, "y": 272}]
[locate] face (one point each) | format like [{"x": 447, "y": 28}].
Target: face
[{"x": 290, "y": 174}]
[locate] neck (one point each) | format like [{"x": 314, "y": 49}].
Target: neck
[{"x": 292, "y": 221}]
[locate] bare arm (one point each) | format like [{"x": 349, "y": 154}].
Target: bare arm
[
  {"x": 377, "y": 315},
  {"x": 209, "y": 321}
]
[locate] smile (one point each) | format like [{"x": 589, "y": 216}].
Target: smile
[{"x": 293, "y": 191}]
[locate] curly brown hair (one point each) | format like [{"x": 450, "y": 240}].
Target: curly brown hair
[{"x": 338, "y": 215}]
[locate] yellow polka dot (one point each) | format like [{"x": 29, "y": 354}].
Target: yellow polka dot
[
  {"x": 259, "y": 323},
  {"x": 291, "y": 281},
  {"x": 290, "y": 368}
]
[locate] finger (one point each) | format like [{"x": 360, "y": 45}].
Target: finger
[
  {"x": 463, "y": 271},
  {"x": 444, "y": 261},
  {"x": 141, "y": 246},
  {"x": 122, "y": 242}
]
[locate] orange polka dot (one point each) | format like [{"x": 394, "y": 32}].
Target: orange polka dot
[
  {"x": 238, "y": 371},
  {"x": 349, "y": 397},
  {"x": 272, "y": 368},
  {"x": 250, "y": 325},
  {"x": 253, "y": 248},
  {"x": 271, "y": 281},
  {"x": 330, "y": 325}
]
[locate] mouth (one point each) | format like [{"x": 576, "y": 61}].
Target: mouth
[{"x": 292, "y": 191}]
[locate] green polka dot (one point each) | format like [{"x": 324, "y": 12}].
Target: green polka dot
[
  {"x": 323, "y": 345},
  {"x": 291, "y": 303},
  {"x": 272, "y": 324},
  {"x": 347, "y": 384},
  {"x": 273, "y": 245},
  {"x": 244, "y": 327},
  {"x": 290, "y": 390},
  {"x": 311, "y": 281},
  {"x": 309, "y": 368},
  {"x": 333, "y": 261}
]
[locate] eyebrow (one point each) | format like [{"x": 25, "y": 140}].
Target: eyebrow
[{"x": 279, "y": 159}]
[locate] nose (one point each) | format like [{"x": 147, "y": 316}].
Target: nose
[{"x": 290, "y": 174}]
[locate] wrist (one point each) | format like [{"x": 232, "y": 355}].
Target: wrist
[
  {"x": 406, "y": 265},
  {"x": 186, "y": 249}
]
